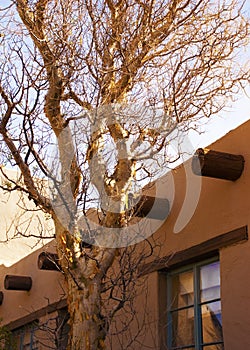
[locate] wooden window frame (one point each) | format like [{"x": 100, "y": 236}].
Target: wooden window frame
[
  {"x": 195, "y": 268},
  {"x": 199, "y": 252},
  {"x": 203, "y": 250}
]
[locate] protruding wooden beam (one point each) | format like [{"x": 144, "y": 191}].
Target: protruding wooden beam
[
  {"x": 1, "y": 297},
  {"x": 151, "y": 207},
  {"x": 13, "y": 282},
  {"x": 218, "y": 165},
  {"x": 48, "y": 261}
]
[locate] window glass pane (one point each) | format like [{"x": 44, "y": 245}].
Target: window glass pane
[
  {"x": 63, "y": 328},
  {"x": 182, "y": 290},
  {"x": 214, "y": 347},
  {"x": 183, "y": 327},
  {"x": 210, "y": 281},
  {"x": 211, "y": 322},
  {"x": 184, "y": 348}
]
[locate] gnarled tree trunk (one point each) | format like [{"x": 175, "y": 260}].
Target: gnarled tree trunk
[
  {"x": 84, "y": 272},
  {"x": 87, "y": 327}
]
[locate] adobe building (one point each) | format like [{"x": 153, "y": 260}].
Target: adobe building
[
  {"x": 22, "y": 226},
  {"x": 198, "y": 284}
]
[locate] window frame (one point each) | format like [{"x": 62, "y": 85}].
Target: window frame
[
  {"x": 25, "y": 336},
  {"x": 195, "y": 268}
]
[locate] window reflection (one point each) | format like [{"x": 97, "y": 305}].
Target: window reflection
[
  {"x": 183, "y": 328},
  {"x": 182, "y": 290},
  {"x": 210, "y": 281},
  {"x": 211, "y": 322},
  {"x": 214, "y": 347},
  {"x": 194, "y": 308}
]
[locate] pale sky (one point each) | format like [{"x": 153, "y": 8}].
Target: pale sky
[{"x": 219, "y": 125}]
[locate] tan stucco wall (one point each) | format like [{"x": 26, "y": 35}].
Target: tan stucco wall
[
  {"x": 222, "y": 206},
  {"x": 16, "y": 222},
  {"x": 47, "y": 288}
]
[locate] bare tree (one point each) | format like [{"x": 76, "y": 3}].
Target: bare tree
[{"x": 108, "y": 82}]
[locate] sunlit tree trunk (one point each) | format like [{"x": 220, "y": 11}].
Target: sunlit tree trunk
[{"x": 87, "y": 328}]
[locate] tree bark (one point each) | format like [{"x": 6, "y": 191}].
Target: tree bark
[
  {"x": 83, "y": 279},
  {"x": 87, "y": 327}
]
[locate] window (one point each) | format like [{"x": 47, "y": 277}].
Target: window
[
  {"x": 49, "y": 332},
  {"x": 25, "y": 337},
  {"x": 194, "y": 307},
  {"x": 62, "y": 329}
]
